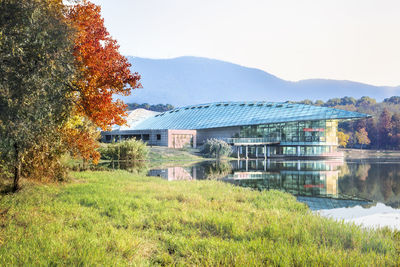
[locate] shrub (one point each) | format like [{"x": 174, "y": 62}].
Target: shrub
[
  {"x": 129, "y": 150},
  {"x": 216, "y": 148}
]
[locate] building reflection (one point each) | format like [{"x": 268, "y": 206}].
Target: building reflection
[
  {"x": 305, "y": 178},
  {"x": 175, "y": 173},
  {"x": 312, "y": 182}
]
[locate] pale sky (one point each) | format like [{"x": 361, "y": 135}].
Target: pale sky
[{"x": 356, "y": 40}]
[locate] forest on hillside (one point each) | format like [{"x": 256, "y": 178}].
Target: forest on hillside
[{"x": 382, "y": 131}]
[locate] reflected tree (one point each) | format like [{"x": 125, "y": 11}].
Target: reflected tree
[{"x": 217, "y": 170}]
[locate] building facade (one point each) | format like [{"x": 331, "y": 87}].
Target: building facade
[{"x": 258, "y": 129}]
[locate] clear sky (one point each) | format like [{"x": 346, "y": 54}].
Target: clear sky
[{"x": 355, "y": 40}]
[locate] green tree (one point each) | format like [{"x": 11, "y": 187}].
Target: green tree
[
  {"x": 348, "y": 101},
  {"x": 392, "y": 100},
  {"x": 365, "y": 101},
  {"x": 362, "y": 137},
  {"x": 36, "y": 63},
  {"x": 306, "y": 101},
  {"x": 333, "y": 102},
  {"x": 319, "y": 103}
]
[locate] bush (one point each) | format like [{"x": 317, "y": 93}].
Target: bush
[
  {"x": 216, "y": 148},
  {"x": 129, "y": 150}
]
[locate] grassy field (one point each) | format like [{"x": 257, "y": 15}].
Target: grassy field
[{"x": 116, "y": 218}]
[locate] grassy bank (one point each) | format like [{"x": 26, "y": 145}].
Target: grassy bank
[{"x": 116, "y": 218}]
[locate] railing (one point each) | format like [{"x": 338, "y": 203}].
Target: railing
[{"x": 251, "y": 140}]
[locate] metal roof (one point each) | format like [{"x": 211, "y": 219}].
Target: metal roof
[
  {"x": 226, "y": 114},
  {"x": 134, "y": 117}
]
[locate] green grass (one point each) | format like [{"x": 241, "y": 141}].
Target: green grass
[{"x": 116, "y": 218}]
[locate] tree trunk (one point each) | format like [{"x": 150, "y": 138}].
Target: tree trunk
[{"x": 17, "y": 169}]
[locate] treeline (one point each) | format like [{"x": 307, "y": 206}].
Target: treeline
[
  {"x": 158, "y": 107},
  {"x": 382, "y": 131}
]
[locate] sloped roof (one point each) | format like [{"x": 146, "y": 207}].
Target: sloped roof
[
  {"x": 225, "y": 114},
  {"x": 135, "y": 117}
]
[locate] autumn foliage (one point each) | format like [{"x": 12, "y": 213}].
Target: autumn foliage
[
  {"x": 102, "y": 72},
  {"x": 81, "y": 137}
]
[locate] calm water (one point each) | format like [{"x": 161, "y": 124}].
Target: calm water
[{"x": 363, "y": 191}]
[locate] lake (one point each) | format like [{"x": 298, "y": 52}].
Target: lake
[{"x": 363, "y": 191}]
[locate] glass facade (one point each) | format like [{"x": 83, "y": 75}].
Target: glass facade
[
  {"x": 302, "y": 131},
  {"x": 300, "y": 138}
]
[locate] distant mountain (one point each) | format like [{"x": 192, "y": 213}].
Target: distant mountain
[{"x": 194, "y": 80}]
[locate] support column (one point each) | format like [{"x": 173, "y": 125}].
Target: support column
[
  {"x": 265, "y": 151},
  {"x": 265, "y": 165},
  {"x": 268, "y": 152},
  {"x": 256, "y": 152},
  {"x": 298, "y": 151},
  {"x": 247, "y": 165},
  {"x": 238, "y": 152},
  {"x": 247, "y": 152}
]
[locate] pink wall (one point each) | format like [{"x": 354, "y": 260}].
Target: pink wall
[{"x": 180, "y": 138}]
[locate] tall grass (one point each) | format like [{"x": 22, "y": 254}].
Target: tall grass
[{"x": 119, "y": 219}]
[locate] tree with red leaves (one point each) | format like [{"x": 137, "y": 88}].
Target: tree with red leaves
[{"x": 102, "y": 72}]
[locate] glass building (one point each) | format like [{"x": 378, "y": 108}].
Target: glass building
[{"x": 258, "y": 129}]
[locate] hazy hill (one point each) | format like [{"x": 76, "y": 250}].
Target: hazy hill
[{"x": 190, "y": 80}]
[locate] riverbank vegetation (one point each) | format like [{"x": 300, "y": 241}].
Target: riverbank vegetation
[
  {"x": 382, "y": 131},
  {"x": 119, "y": 219}
]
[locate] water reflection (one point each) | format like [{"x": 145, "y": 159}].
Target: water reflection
[
  {"x": 363, "y": 191},
  {"x": 375, "y": 180},
  {"x": 300, "y": 178},
  {"x": 139, "y": 167},
  {"x": 379, "y": 181},
  {"x": 315, "y": 183}
]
